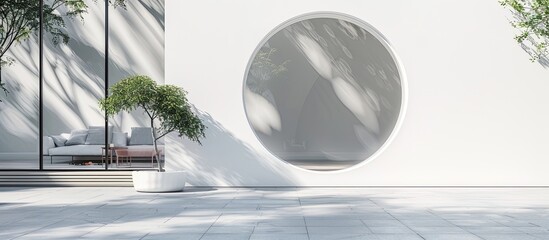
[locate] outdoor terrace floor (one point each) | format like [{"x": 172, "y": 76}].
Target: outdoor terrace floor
[{"x": 275, "y": 213}]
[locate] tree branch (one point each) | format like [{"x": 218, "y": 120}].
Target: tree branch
[{"x": 165, "y": 133}]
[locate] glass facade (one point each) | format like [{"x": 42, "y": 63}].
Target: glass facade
[
  {"x": 19, "y": 109},
  {"x": 61, "y": 94}
]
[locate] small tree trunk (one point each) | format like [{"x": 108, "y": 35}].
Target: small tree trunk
[
  {"x": 1, "y": 83},
  {"x": 157, "y": 154}
]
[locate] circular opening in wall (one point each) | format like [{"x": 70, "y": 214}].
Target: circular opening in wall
[{"x": 324, "y": 91}]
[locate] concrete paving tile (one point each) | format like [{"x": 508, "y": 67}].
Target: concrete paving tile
[
  {"x": 282, "y": 223},
  {"x": 405, "y": 236},
  {"x": 333, "y": 223},
  {"x": 390, "y": 230},
  {"x": 540, "y": 236},
  {"x": 476, "y": 223},
  {"x": 415, "y": 216},
  {"x": 449, "y": 236},
  {"x": 352, "y": 230},
  {"x": 173, "y": 236},
  {"x": 376, "y": 216},
  {"x": 515, "y": 223},
  {"x": 278, "y": 236},
  {"x": 141, "y": 221},
  {"x": 124, "y": 232},
  {"x": 532, "y": 230},
  {"x": 382, "y": 223},
  {"x": 12, "y": 234},
  {"x": 232, "y": 229},
  {"x": 427, "y": 223},
  {"x": 496, "y": 230},
  {"x": 426, "y": 230},
  {"x": 458, "y": 216},
  {"x": 32, "y": 223},
  {"x": 199, "y": 212},
  {"x": 342, "y": 236},
  {"x": 280, "y": 230},
  {"x": 508, "y": 236},
  {"x": 271, "y": 213},
  {"x": 55, "y": 234},
  {"x": 226, "y": 236},
  {"x": 192, "y": 221},
  {"x": 235, "y": 223},
  {"x": 179, "y": 229}
]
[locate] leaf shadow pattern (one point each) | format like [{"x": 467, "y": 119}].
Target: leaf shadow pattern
[
  {"x": 223, "y": 160},
  {"x": 529, "y": 43},
  {"x": 122, "y": 213},
  {"x": 74, "y": 74},
  {"x": 542, "y": 59}
]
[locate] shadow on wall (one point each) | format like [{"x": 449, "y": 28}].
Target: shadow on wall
[
  {"x": 529, "y": 44},
  {"x": 223, "y": 160},
  {"x": 74, "y": 73},
  {"x": 19, "y": 109},
  {"x": 543, "y": 59}
]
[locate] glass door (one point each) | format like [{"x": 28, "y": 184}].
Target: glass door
[
  {"x": 73, "y": 83},
  {"x": 19, "y": 86}
]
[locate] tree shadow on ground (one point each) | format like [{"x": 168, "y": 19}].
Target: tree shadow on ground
[{"x": 121, "y": 213}]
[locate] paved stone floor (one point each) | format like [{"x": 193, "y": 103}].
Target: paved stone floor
[{"x": 275, "y": 213}]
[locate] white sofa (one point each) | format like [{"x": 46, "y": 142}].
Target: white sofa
[{"x": 90, "y": 148}]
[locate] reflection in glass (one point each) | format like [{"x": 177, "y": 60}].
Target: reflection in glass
[
  {"x": 19, "y": 112},
  {"x": 323, "y": 93},
  {"x": 74, "y": 80},
  {"x": 73, "y": 83},
  {"x": 136, "y": 47}
]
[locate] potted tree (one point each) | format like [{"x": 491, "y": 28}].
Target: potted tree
[{"x": 168, "y": 111}]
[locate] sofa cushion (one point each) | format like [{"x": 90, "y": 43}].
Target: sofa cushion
[
  {"x": 141, "y": 136},
  {"x": 96, "y": 135},
  {"x": 120, "y": 139},
  {"x": 79, "y": 131},
  {"x": 58, "y": 140},
  {"x": 77, "y": 137},
  {"x": 77, "y": 150}
]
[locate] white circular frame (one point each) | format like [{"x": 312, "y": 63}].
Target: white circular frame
[{"x": 370, "y": 29}]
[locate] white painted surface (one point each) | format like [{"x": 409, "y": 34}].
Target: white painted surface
[{"x": 477, "y": 108}]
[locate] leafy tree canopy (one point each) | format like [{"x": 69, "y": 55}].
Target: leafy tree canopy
[
  {"x": 20, "y": 18},
  {"x": 165, "y": 104},
  {"x": 531, "y": 18}
]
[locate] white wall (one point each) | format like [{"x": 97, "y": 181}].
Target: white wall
[{"x": 477, "y": 107}]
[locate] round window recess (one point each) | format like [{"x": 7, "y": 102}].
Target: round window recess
[{"x": 324, "y": 92}]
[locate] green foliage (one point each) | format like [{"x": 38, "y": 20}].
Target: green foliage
[
  {"x": 20, "y": 18},
  {"x": 175, "y": 114},
  {"x": 129, "y": 94},
  {"x": 531, "y": 18},
  {"x": 165, "y": 104}
]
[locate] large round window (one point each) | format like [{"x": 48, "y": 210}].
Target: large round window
[{"x": 324, "y": 91}]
